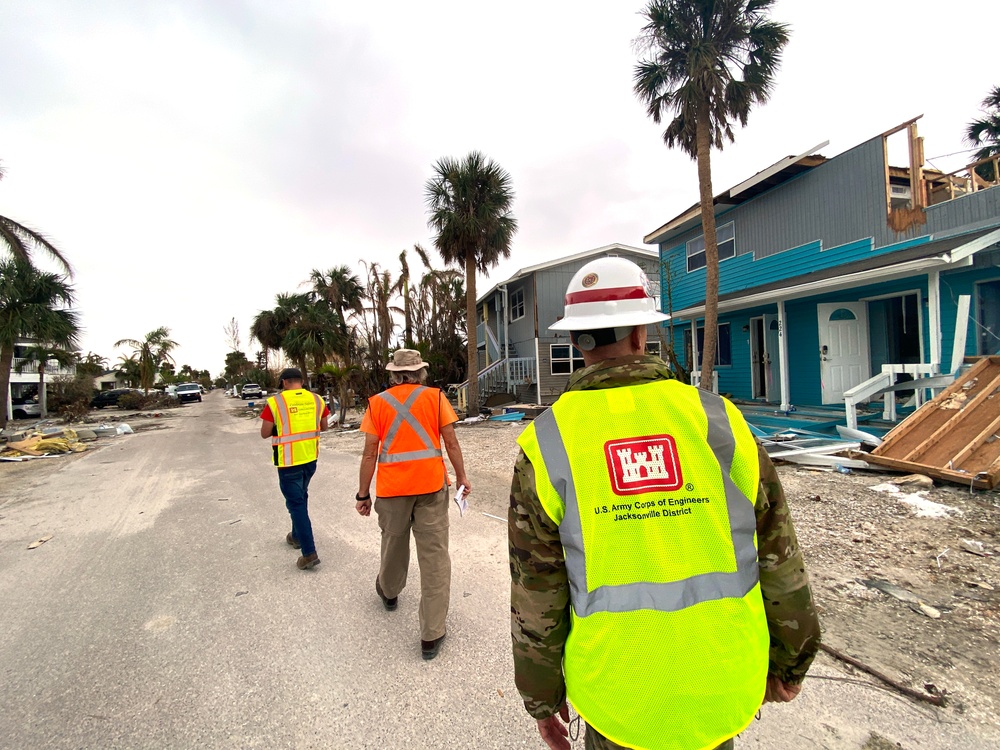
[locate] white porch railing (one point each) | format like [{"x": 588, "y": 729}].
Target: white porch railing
[
  {"x": 696, "y": 379},
  {"x": 494, "y": 378},
  {"x": 52, "y": 367},
  {"x": 925, "y": 377}
]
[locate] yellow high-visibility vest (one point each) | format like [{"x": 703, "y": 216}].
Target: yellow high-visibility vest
[
  {"x": 298, "y": 416},
  {"x": 653, "y": 489}
]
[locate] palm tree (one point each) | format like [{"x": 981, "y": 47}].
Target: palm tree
[
  {"x": 19, "y": 240},
  {"x": 707, "y": 63},
  {"x": 40, "y": 355},
  {"x": 344, "y": 294},
  {"x": 91, "y": 364},
  {"x": 151, "y": 353},
  {"x": 32, "y": 303},
  {"x": 985, "y": 133},
  {"x": 266, "y": 329},
  {"x": 469, "y": 203},
  {"x": 341, "y": 378},
  {"x": 128, "y": 369},
  {"x": 380, "y": 291}
]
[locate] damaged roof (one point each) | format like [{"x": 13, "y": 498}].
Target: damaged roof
[{"x": 774, "y": 175}]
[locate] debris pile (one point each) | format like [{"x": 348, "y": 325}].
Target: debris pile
[{"x": 38, "y": 444}]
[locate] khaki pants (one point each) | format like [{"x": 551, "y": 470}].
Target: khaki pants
[{"x": 427, "y": 515}]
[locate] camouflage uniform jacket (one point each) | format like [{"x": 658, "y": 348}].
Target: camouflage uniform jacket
[{"x": 540, "y": 615}]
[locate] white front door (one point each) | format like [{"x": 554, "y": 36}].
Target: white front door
[{"x": 843, "y": 348}]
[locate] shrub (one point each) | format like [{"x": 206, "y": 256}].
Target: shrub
[
  {"x": 131, "y": 401},
  {"x": 69, "y": 397}
]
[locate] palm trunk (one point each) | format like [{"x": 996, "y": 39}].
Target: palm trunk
[
  {"x": 472, "y": 369},
  {"x": 408, "y": 324},
  {"x": 42, "y": 401},
  {"x": 704, "y": 147},
  {"x": 6, "y": 362}
]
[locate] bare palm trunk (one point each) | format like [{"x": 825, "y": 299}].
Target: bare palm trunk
[
  {"x": 6, "y": 362},
  {"x": 408, "y": 323},
  {"x": 472, "y": 369},
  {"x": 704, "y": 146},
  {"x": 42, "y": 400}
]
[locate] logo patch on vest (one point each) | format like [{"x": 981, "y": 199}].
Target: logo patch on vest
[
  {"x": 293, "y": 410},
  {"x": 643, "y": 464}
]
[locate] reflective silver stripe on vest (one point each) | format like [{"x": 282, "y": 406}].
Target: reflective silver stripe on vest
[
  {"x": 662, "y": 597},
  {"x": 403, "y": 415},
  {"x": 296, "y": 438},
  {"x": 286, "y": 441}
]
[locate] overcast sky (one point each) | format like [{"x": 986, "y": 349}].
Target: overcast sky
[{"x": 194, "y": 159}]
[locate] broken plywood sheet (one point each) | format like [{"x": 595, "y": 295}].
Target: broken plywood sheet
[{"x": 954, "y": 437}]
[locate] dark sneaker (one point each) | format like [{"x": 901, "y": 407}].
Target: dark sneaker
[
  {"x": 429, "y": 649},
  {"x": 389, "y": 604},
  {"x": 292, "y": 541},
  {"x": 307, "y": 561}
]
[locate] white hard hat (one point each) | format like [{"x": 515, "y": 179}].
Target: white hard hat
[{"x": 608, "y": 293}]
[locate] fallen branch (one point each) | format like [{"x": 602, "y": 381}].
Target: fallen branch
[{"x": 937, "y": 700}]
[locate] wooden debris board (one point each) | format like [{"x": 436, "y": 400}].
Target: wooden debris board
[{"x": 956, "y": 436}]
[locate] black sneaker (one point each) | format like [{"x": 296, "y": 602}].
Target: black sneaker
[
  {"x": 389, "y": 604},
  {"x": 429, "y": 649}
]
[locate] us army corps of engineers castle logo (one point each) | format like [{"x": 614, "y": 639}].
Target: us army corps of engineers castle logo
[{"x": 638, "y": 465}]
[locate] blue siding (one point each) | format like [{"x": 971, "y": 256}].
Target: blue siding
[
  {"x": 803, "y": 353},
  {"x": 743, "y": 272},
  {"x": 953, "y": 285}
]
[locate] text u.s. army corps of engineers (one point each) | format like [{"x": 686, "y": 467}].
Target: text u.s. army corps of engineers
[{"x": 645, "y": 509}]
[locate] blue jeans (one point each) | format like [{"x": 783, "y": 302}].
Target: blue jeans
[{"x": 294, "y": 483}]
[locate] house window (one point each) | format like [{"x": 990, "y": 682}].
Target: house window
[
  {"x": 653, "y": 347},
  {"x": 517, "y": 305},
  {"x": 725, "y": 237},
  {"x": 723, "y": 347},
  {"x": 564, "y": 359}
]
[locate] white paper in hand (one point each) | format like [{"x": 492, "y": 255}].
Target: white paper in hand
[{"x": 460, "y": 501}]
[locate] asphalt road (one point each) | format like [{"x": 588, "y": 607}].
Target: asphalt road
[{"x": 167, "y": 612}]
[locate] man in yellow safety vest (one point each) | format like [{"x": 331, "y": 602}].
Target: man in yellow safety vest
[
  {"x": 657, "y": 583},
  {"x": 293, "y": 420}
]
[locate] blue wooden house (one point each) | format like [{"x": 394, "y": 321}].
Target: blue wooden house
[{"x": 836, "y": 272}]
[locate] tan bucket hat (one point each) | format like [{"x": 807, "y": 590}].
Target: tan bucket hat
[{"x": 406, "y": 359}]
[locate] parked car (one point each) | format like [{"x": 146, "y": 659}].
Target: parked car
[
  {"x": 109, "y": 398},
  {"x": 251, "y": 390},
  {"x": 27, "y": 408},
  {"x": 189, "y": 392}
]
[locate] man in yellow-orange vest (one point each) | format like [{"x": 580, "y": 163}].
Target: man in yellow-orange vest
[
  {"x": 657, "y": 584},
  {"x": 293, "y": 420},
  {"x": 406, "y": 425}
]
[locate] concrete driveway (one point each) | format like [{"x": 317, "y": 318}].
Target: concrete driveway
[{"x": 167, "y": 612}]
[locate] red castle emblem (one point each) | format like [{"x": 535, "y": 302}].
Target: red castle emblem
[{"x": 644, "y": 464}]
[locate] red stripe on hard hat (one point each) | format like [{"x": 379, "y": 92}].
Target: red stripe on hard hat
[{"x": 606, "y": 295}]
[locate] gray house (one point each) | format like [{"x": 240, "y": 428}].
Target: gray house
[
  {"x": 841, "y": 278},
  {"x": 517, "y": 352}
]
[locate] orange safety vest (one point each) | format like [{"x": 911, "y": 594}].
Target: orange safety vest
[
  {"x": 410, "y": 461},
  {"x": 298, "y": 416}
]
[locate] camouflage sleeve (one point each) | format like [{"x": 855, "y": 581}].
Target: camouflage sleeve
[
  {"x": 539, "y": 597},
  {"x": 784, "y": 584}
]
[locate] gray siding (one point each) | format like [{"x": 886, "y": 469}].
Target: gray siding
[
  {"x": 544, "y": 294},
  {"x": 838, "y": 202}
]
